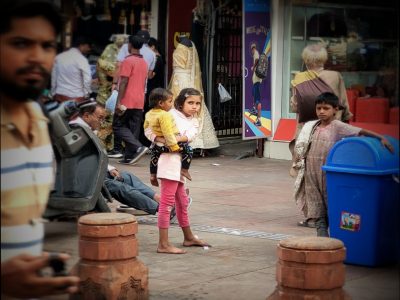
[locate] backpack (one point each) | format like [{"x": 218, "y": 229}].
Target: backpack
[{"x": 261, "y": 69}]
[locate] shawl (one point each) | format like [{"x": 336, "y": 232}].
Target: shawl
[
  {"x": 303, "y": 143},
  {"x": 308, "y": 85}
]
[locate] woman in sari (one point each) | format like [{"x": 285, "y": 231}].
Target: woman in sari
[
  {"x": 307, "y": 86},
  {"x": 186, "y": 74}
]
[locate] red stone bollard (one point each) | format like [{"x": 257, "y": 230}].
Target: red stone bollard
[
  {"x": 310, "y": 268},
  {"x": 108, "y": 267}
]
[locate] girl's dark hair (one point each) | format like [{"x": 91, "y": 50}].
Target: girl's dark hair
[
  {"x": 185, "y": 93},
  {"x": 328, "y": 98},
  {"x": 12, "y": 9},
  {"x": 157, "y": 95}
]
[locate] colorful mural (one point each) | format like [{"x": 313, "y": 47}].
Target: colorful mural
[{"x": 256, "y": 69}]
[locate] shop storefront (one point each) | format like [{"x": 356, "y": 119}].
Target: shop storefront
[
  {"x": 361, "y": 39},
  {"x": 362, "y": 44}
]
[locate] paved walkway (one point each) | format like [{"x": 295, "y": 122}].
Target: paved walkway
[{"x": 243, "y": 208}]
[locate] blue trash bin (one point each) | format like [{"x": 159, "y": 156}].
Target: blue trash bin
[{"x": 363, "y": 205}]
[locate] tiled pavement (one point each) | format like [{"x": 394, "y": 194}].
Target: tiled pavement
[{"x": 242, "y": 207}]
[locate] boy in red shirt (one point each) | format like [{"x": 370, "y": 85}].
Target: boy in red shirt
[{"x": 128, "y": 117}]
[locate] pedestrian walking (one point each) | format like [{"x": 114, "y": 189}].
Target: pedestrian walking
[{"x": 128, "y": 117}]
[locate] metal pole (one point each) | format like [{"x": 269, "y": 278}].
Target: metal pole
[{"x": 210, "y": 86}]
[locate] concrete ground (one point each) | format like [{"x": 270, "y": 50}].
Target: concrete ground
[{"x": 243, "y": 208}]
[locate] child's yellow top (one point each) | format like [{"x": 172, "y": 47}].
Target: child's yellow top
[{"x": 162, "y": 124}]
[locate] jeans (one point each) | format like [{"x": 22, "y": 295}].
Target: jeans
[{"x": 132, "y": 192}]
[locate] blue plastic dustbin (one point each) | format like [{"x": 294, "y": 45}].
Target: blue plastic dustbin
[{"x": 363, "y": 205}]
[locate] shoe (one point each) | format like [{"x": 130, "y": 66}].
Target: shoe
[
  {"x": 253, "y": 111},
  {"x": 257, "y": 122},
  {"x": 125, "y": 208},
  {"x": 172, "y": 216},
  {"x": 126, "y": 161},
  {"x": 114, "y": 154},
  {"x": 307, "y": 223},
  {"x": 139, "y": 154}
]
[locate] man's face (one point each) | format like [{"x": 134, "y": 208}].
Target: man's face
[
  {"x": 95, "y": 119},
  {"x": 85, "y": 49},
  {"x": 27, "y": 52}
]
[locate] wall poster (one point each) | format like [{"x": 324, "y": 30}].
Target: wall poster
[{"x": 256, "y": 69}]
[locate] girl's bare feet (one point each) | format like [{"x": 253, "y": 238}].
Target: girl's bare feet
[
  {"x": 195, "y": 242},
  {"x": 170, "y": 250},
  {"x": 153, "y": 179}
]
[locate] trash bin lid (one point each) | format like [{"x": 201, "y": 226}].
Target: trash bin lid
[{"x": 363, "y": 155}]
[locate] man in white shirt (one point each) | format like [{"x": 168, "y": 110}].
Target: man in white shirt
[{"x": 71, "y": 77}]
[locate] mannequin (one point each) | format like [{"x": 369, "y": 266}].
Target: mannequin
[
  {"x": 186, "y": 73},
  {"x": 183, "y": 39}
]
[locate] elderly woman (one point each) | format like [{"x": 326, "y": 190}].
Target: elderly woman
[{"x": 308, "y": 85}]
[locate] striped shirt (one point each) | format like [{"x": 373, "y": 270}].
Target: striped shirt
[{"x": 26, "y": 179}]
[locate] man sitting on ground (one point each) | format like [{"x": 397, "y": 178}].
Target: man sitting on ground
[{"x": 123, "y": 186}]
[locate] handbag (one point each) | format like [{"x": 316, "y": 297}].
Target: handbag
[
  {"x": 223, "y": 94},
  {"x": 111, "y": 101}
]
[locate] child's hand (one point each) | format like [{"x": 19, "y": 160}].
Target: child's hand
[
  {"x": 160, "y": 139},
  {"x": 387, "y": 144}
]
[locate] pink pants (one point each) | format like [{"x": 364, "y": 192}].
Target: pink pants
[{"x": 173, "y": 192}]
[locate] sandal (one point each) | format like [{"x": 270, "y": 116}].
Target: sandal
[{"x": 307, "y": 223}]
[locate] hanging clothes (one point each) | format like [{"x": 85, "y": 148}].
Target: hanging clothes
[{"x": 186, "y": 74}]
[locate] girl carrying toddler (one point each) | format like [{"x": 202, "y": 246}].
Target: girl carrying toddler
[
  {"x": 173, "y": 193},
  {"x": 160, "y": 124}
]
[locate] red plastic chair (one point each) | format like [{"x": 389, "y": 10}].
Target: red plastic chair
[{"x": 372, "y": 110}]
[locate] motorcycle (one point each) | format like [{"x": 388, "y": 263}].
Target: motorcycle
[{"x": 81, "y": 164}]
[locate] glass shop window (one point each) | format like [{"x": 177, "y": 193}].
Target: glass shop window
[{"x": 362, "y": 43}]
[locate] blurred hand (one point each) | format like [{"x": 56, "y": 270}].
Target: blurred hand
[
  {"x": 160, "y": 139},
  {"x": 387, "y": 144},
  {"x": 20, "y": 278},
  {"x": 115, "y": 173}
]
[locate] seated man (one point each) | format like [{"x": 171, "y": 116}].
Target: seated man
[{"x": 123, "y": 186}]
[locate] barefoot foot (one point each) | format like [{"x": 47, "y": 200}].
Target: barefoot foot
[
  {"x": 195, "y": 243},
  {"x": 170, "y": 250}
]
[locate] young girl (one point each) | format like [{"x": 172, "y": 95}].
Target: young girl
[
  {"x": 311, "y": 149},
  {"x": 173, "y": 191},
  {"x": 159, "y": 123}
]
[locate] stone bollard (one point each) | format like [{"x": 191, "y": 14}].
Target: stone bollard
[
  {"x": 108, "y": 267},
  {"x": 310, "y": 268}
]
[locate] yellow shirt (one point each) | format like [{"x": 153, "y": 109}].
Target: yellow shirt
[{"x": 162, "y": 124}]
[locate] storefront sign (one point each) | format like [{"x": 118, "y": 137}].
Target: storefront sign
[{"x": 256, "y": 69}]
